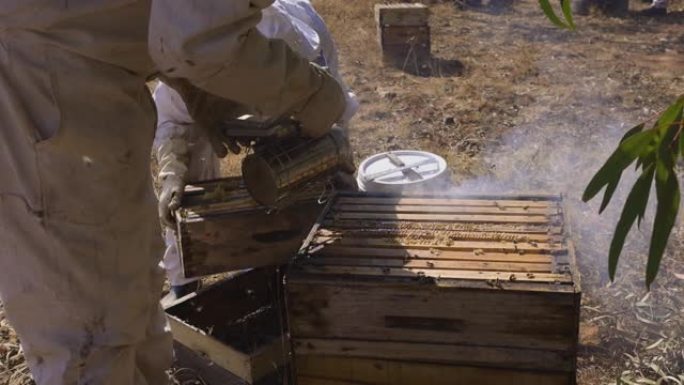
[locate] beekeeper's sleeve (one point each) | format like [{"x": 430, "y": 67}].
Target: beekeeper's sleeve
[{"x": 216, "y": 46}]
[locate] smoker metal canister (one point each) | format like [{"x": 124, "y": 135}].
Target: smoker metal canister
[{"x": 277, "y": 170}]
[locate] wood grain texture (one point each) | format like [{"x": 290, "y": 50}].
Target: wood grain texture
[
  {"x": 454, "y": 284},
  {"x": 439, "y": 316},
  {"x": 405, "y": 14},
  {"x": 474, "y": 218},
  {"x": 440, "y": 354},
  {"x": 332, "y": 370},
  {"x": 446, "y": 209},
  {"x": 234, "y": 324},
  {"x": 447, "y": 255},
  {"x": 419, "y": 274},
  {"x": 223, "y": 229}
]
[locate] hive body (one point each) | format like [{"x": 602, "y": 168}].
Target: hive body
[{"x": 436, "y": 290}]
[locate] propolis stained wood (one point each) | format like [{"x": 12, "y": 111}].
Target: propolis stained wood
[
  {"x": 223, "y": 229},
  {"x": 453, "y": 284}
]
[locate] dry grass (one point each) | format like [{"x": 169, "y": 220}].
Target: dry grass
[{"x": 535, "y": 108}]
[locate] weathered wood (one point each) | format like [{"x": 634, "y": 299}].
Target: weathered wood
[
  {"x": 419, "y": 273},
  {"x": 443, "y": 354},
  {"x": 211, "y": 373},
  {"x": 304, "y": 380},
  {"x": 409, "y": 36},
  {"x": 448, "y": 255},
  {"x": 446, "y": 209},
  {"x": 447, "y": 282},
  {"x": 234, "y": 324},
  {"x": 442, "y": 236},
  {"x": 352, "y": 224},
  {"x": 482, "y": 218},
  {"x": 439, "y": 316},
  {"x": 522, "y": 247},
  {"x": 436, "y": 264},
  {"x": 404, "y": 14},
  {"x": 513, "y": 201},
  {"x": 327, "y": 370},
  {"x": 221, "y": 229}
]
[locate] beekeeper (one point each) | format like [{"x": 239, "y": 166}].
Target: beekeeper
[
  {"x": 185, "y": 155},
  {"x": 79, "y": 249}
]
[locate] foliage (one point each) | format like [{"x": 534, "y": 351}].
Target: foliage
[
  {"x": 655, "y": 152},
  {"x": 568, "y": 23}
]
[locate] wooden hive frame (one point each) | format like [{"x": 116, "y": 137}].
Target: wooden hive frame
[
  {"x": 221, "y": 228},
  {"x": 236, "y": 324},
  {"x": 460, "y": 252}
]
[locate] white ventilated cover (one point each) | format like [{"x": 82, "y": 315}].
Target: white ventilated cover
[{"x": 379, "y": 173}]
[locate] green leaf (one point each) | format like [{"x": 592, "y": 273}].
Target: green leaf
[
  {"x": 615, "y": 181},
  {"x": 636, "y": 203},
  {"x": 610, "y": 190},
  {"x": 622, "y": 157},
  {"x": 669, "y": 197},
  {"x": 677, "y": 128},
  {"x": 633, "y": 131},
  {"x": 669, "y": 116},
  {"x": 567, "y": 12},
  {"x": 681, "y": 136},
  {"x": 551, "y": 15}
]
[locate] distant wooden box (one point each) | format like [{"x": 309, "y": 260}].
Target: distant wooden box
[
  {"x": 403, "y": 33},
  {"x": 402, "y": 14},
  {"x": 436, "y": 290},
  {"x": 236, "y": 325},
  {"x": 223, "y": 229}
]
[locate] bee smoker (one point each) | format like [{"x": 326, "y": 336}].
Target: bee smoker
[{"x": 278, "y": 170}]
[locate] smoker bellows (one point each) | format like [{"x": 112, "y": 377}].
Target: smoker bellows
[{"x": 439, "y": 290}]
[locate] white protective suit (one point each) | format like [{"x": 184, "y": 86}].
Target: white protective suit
[
  {"x": 184, "y": 152},
  {"x": 79, "y": 243}
]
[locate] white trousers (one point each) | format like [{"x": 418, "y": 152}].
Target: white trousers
[{"x": 79, "y": 243}]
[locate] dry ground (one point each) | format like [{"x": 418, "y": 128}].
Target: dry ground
[{"x": 529, "y": 108}]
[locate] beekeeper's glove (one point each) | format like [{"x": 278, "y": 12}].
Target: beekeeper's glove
[
  {"x": 172, "y": 155},
  {"x": 323, "y": 108},
  {"x": 170, "y": 197}
]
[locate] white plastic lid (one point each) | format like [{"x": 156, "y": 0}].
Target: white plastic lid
[{"x": 396, "y": 170}]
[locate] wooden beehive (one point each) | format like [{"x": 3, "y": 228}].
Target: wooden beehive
[
  {"x": 435, "y": 290},
  {"x": 237, "y": 325},
  {"x": 404, "y": 33},
  {"x": 223, "y": 229}
]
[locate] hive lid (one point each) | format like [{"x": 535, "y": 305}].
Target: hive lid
[{"x": 393, "y": 170}]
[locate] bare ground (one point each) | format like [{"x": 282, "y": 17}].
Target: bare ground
[{"x": 522, "y": 106}]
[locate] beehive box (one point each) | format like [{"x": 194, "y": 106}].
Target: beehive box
[
  {"x": 237, "y": 325},
  {"x": 436, "y": 290},
  {"x": 223, "y": 229},
  {"x": 404, "y": 33}
]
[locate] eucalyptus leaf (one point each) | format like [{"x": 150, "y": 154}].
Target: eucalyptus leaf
[
  {"x": 669, "y": 198},
  {"x": 610, "y": 190},
  {"x": 668, "y": 117},
  {"x": 551, "y": 14},
  {"x": 629, "y": 150},
  {"x": 567, "y": 12},
  {"x": 636, "y": 203}
]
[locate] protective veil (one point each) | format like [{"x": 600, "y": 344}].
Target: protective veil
[
  {"x": 79, "y": 247},
  {"x": 180, "y": 148}
]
